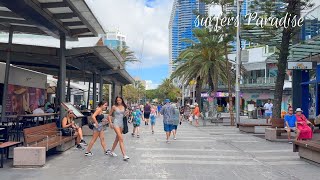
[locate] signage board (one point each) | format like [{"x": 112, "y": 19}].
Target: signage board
[
  {"x": 299, "y": 65},
  {"x": 76, "y": 111}
]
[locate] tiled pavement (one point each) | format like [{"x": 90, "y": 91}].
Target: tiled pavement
[{"x": 211, "y": 152}]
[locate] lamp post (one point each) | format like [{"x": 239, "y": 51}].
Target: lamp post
[{"x": 237, "y": 85}]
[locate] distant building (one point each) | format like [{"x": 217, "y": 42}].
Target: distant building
[{"x": 113, "y": 39}]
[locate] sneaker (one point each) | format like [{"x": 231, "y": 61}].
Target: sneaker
[
  {"x": 126, "y": 158},
  {"x": 152, "y": 132},
  {"x": 290, "y": 142},
  {"x": 132, "y": 134},
  {"x": 79, "y": 147},
  {"x": 88, "y": 154},
  {"x": 113, "y": 154},
  {"x": 108, "y": 152},
  {"x": 138, "y": 136},
  {"x": 82, "y": 142},
  {"x": 175, "y": 138},
  {"x": 168, "y": 142}
]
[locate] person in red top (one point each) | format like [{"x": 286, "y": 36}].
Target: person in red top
[
  {"x": 196, "y": 113},
  {"x": 303, "y": 130}
]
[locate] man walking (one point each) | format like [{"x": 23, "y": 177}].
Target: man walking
[
  {"x": 268, "y": 110},
  {"x": 167, "y": 111}
]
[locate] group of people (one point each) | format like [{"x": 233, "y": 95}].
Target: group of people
[
  {"x": 190, "y": 113},
  {"x": 298, "y": 123}
]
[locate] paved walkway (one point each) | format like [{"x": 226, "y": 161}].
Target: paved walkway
[{"x": 211, "y": 152}]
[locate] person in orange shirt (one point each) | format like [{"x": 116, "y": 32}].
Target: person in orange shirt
[{"x": 196, "y": 113}]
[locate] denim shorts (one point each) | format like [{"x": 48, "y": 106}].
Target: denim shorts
[
  {"x": 268, "y": 115},
  {"x": 99, "y": 128},
  {"x": 167, "y": 127}
]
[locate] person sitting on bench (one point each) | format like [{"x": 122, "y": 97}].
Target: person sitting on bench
[
  {"x": 69, "y": 128},
  {"x": 290, "y": 123},
  {"x": 304, "y": 132}
]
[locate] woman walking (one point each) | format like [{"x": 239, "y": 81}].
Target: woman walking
[
  {"x": 98, "y": 121},
  {"x": 196, "y": 113},
  {"x": 153, "y": 117},
  {"x": 146, "y": 113},
  {"x": 119, "y": 111}
]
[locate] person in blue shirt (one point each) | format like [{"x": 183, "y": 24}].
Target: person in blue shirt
[{"x": 290, "y": 123}]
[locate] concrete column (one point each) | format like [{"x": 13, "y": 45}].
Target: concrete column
[
  {"x": 305, "y": 92},
  {"x": 113, "y": 92},
  {"x": 69, "y": 91},
  {"x": 121, "y": 90},
  {"x": 317, "y": 90},
  {"x": 62, "y": 73},
  {"x": 88, "y": 100},
  {"x": 110, "y": 96},
  {"x": 6, "y": 76},
  {"x": 94, "y": 91},
  {"x": 101, "y": 89}
]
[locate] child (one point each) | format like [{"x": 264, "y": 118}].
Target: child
[
  {"x": 153, "y": 120},
  {"x": 136, "y": 119}
]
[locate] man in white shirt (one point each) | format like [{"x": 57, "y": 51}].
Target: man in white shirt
[
  {"x": 268, "y": 109},
  {"x": 39, "y": 110}
]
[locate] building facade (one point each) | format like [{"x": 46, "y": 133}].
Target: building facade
[
  {"x": 114, "y": 39},
  {"x": 180, "y": 27}
]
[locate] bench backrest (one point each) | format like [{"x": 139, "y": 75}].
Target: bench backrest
[
  {"x": 277, "y": 123},
  {"x": 38, "y": 133}
]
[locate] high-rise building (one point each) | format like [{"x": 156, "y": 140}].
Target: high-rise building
[
  {"x": 180, "y": 27},
  {"x": 113, "y": 39}
]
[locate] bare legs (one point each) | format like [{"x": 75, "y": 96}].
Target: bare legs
[
  {"x": 297, "y": 135},
  {"x": 168, "y": 136},
  {"x": 289, "y": 133},
  {"x": 94, "y": 138},
  {"x": 174, "y": 133},
  {"x": 119, "y": 138}
]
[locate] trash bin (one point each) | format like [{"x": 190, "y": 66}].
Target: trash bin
[{"x": 255, "y": 114}]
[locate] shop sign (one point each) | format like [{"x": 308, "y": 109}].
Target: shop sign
[{"x": 299, "y": 65}]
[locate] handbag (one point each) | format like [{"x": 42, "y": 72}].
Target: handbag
[
  {"x": 90, "y": 123},
  {"x": 125, "y": 125},
  {"x": 67, "y": 132}
]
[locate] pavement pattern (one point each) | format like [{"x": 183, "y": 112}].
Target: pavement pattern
[{"x": 206, "y": 152}]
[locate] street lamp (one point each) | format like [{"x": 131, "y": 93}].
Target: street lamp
[{"x": 237, "y": 85}]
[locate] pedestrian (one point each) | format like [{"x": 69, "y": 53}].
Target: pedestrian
[
  {"x": 69, "y": 128},
  {"x": 181, "y": 113},
  {"x": 98, "y": 121},
  {"x": 167, "y": 111},
  {"x": 290, "y": 123},
  {"x": 196, "y": 113},
  {"x": 153, "y": 117},
  {"x": 146, "y": 113},
  {"x": 119, "y": 110},
  {"x": 136, "y": 121},
  {"x": 304, "y": 131},
  {"x": 176, "y": 120},
  {"x": 268, "y": 110}
]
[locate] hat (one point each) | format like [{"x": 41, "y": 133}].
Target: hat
[
  {"x": 167, "y": 100},
  {"x": 299, "y": 110},
  {"x": 196, "y": 104}
]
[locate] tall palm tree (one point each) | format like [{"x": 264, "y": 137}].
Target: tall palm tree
[
  {"x": 127, "y": 54},
  {"x": 203, "y": 61}
]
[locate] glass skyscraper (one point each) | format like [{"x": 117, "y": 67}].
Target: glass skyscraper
[{"x": 180, "y": 27}]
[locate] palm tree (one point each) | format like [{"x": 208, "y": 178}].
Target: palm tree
[
  {"x": 168, "y": 90},
  {"x": 203, "y": 61},
  {"x": 127, "y": 54}
]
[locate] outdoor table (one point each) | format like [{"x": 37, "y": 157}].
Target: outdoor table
[{"x": 37, "y": 116}]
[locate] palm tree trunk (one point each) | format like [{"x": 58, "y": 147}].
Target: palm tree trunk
[
  {"x": 229, "y": 86},
  {"x": 198, "y": 92},
  {"x": 283, "y": 59}
]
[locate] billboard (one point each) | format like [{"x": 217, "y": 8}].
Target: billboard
[
  {"x": 23, "y": 99},
  {"x": 299, "y": 65}
]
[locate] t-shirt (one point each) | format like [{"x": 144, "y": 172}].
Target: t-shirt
[
  {"x": 168, "y": 112},
  {"x": 290, "y": 119},
  {"x": 147, "y": 108},
  {"x": 136, "y": 115},
  {"x": 268, "y": 107}
]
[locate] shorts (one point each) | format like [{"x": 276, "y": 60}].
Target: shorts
[
  {"x": 99, "y": 128},
  {"x": 153, "y": 122},
  {"x": 175, "y": 127},
  {"x": 146, "y": 115},
  {"x": 167, "y": 127},
  {"x": 268, "y": 115},
  {"x": 136, "y": 125},
  {"x": 196, "y": 117},
  {"x": 292, "y": 129}
]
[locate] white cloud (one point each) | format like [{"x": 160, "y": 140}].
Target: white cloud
[
  {"x": 141, "y": 25},
  {"x": 151, "y": 85}
]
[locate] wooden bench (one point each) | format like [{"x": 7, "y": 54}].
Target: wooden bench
[
  {"x": 5, "y": 146},
  {"x": 277, "y": 128},
  {"x": 48, "y": 136},
  {"x": 308, "y": 149},
  {"x": 252, "y": 128}
]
